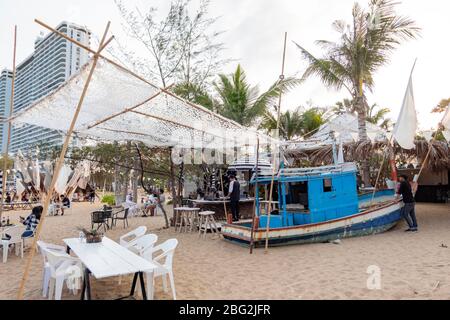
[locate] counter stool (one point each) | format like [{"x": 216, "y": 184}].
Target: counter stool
[{"x": 207, "y": 219}]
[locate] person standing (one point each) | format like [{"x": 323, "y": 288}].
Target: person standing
[
  {"x": 409, "y": 209},
  {"x": 234, "y": 193}
]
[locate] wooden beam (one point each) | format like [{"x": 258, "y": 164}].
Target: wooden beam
[
  {"x": 59, "y": 165},
  {"x": 8, "y": 139},
  {"x": 256, "y": 202}
]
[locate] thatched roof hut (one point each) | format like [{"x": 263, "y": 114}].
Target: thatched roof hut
[{"x": 439, "y": 158}]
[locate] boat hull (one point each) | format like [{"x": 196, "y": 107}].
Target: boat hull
[{"x": 373, "y": 221}]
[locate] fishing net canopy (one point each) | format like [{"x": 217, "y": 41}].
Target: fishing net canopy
[{"x": 120, "y": 106}]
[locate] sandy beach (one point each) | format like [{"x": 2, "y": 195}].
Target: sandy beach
[{"x": 413, "y": 266}]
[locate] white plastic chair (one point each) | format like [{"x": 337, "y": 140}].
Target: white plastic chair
[
  {"x": 42, "y": 246},
  {"x": 16, "y": 239},
  {"x": 143, "y": 246},
  {"x": 60, "y": 266},
  {"x": 164, "y": 262},
  {"x": 128, "y": 239}
]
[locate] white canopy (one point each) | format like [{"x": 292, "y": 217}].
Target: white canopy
[
  {"x": 120, "y": 106},
  {"x": 345, "y": 128}
]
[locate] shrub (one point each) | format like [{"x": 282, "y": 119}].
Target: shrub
[{"x": 109, "y": 199}]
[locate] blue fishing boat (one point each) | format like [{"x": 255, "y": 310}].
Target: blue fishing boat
[{"x": 313, "y": 205}]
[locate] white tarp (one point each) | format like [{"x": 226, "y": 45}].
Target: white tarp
[
  {"x": 406, "y": 126},
  {"x": 63, "y": 177},
  {"x": 20, "y": 187},
  {"x": 345, "y": 128},
  {"x": 164, "y": 120}
]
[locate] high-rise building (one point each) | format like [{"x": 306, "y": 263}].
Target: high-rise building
[
  {"x": 5, "y": 101},
  {"x": 53, "y": 62}
]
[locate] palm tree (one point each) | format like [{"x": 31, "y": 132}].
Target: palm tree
[
  {"x": 290, "y": 123},
  {"x": 363, "y": 48},
  {"x": 294, "y": 123},
  {"x": 239, "y": 101},
  {"x": 378, "y": 118},
  {"x": 195, "y": 94},
  {"x": 343, "y": 107},
  {"x": 312, "y": 119}
]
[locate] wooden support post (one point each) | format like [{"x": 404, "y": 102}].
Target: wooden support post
[
  {"x": 172, "y": 182},
  {"x": 256, "y": 202},
  {"x": 8, "y": 139},
  {"x": 381, "y": 169},
  {"x": 275, "y": 164},
  {"x": 60, "y": 164},
  {"x": 224, "y": 196}
]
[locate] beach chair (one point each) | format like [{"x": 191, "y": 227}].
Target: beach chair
[
  {"x": 42, "y": 246},
  {"x": 63, "y": 267},
  {"x": 128, "y": 239},
  {"x": 165, "y": 262},
  {"x": 15, "y": 234}
]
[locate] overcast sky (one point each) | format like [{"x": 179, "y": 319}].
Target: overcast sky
[{"x": 254, "y": 37}]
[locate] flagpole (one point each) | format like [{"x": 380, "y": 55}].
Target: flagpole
[{"x": 392, "y": 138}]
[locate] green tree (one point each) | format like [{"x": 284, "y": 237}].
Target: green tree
[
  {"x": 362, "y": 49},
  {"x": 343, "y": 107},
  {"x": 179, "y": 47},
  {"x": 195, "y": 94},
  {"x": 294, "y": 123},
  {"x": 241, "y": 102},
  {"x": 378, "y": 116}
]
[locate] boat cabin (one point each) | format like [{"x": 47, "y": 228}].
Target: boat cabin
[{"x": 308, "y": 195}]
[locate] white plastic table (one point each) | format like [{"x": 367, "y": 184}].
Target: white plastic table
[{"x": 109, "y": 259}]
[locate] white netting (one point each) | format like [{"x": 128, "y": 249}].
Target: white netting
[{"x": 165, "y": 120}]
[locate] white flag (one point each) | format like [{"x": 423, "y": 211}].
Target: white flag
[
  {"x": 341, "y": 159},
  {"x": 406, "y": 126},
  {"x": 446, "y": 121}
]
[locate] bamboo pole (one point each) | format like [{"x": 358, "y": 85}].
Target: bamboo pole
[
  {"x": 8, "y": 141},
  {"x": 224, "y": 197},
  {"x": 381, "y": 168},
  {"x": 59, "y": 165},
  {"x": 252, "y": 240},
  {"x": 275, "y": 164}
]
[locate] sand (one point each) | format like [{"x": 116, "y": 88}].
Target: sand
[{"x": 412, "y": 266}]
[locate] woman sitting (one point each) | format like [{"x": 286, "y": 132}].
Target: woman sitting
[
  {"x": 150, "y": 206},
  {"x": 32, "y": 221}
]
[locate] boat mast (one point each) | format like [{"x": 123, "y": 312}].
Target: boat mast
[{"x": 274, "y": 157}]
